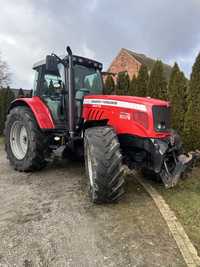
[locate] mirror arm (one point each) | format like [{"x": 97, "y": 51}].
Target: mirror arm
[{"x": 59, "y": 60}]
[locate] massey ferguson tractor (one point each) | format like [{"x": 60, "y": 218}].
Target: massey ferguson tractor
[{"x": 68, "y": 110}]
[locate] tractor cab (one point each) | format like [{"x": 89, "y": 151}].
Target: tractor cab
[{"x": 53, "y": 78}]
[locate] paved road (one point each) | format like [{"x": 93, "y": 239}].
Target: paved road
[{"x": 46, "y": 219}]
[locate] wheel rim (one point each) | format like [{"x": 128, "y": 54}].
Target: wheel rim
[
  {"x": 90, "y": 172},
  {"x": 18, "y": 140}
]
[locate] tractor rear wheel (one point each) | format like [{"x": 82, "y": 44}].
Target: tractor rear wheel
[
  {"x": 25, "y": 144},
  {"x": 103, "y": 163}
]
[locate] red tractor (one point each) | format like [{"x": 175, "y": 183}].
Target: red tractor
[{"x": 68, "y": 110}]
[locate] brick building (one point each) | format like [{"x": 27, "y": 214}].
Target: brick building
[{"x": 130, "y": 62}]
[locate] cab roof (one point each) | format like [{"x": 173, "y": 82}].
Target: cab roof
[{"x": 76, "y": 59}]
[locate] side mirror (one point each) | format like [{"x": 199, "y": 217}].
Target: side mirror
[{"x": 51, "y": 63}]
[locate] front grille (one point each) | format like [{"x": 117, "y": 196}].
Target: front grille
[{"x": 161, "y": 116}]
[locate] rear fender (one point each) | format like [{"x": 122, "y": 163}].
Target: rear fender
[{"x": 39, "y": 109}]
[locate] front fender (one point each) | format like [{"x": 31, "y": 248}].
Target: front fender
[{"x": 39, "y": 109}]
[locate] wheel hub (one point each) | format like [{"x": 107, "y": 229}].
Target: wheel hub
[{"x": 18, "y": 140}]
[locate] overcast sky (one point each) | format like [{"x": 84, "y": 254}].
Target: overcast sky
[{"x": 30, "y": 29}]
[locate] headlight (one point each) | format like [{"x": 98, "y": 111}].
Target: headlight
[
  {"x": 161, "y": 126},
  {"x": 161, "y": 117}
]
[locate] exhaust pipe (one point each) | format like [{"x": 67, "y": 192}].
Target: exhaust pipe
[{"x": 71, "y": 94}]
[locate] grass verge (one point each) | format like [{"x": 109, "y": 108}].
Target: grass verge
[{"x": 184, "y": 199}]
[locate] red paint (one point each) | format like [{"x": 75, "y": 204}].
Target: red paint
[
  {"x": 126, "y": 120},
  {"x": 39, "y": 109},
  {"x": 123, "y": 120}
]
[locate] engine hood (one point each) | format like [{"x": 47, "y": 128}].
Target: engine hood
[
  {"x": 126, "y": 114},
  {"x": 146, "y": 101}
]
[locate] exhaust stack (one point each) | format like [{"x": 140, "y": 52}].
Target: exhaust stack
[{"x": 71, "y": 94}]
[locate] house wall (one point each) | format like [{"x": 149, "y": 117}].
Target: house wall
[{"x": 124, "y": 62}]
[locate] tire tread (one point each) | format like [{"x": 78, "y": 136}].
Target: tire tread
[{"x": 105, "y": 148}]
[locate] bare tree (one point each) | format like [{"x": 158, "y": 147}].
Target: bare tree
[{"x": 4, "y": 73}]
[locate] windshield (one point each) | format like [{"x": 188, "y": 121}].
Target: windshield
[{"x": 88, "y": 78}]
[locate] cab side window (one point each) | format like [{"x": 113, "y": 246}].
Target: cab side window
[{"x": 52, "y": 85}]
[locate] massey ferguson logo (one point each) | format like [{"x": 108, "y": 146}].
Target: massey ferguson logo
[
  {"x": 101, "y": 102},
  {"x": 115, "y": 103}
]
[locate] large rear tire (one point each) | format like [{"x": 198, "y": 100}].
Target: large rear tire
[
  {"x": 103, "y": 163},
  {"x": 25, "y": 144}
]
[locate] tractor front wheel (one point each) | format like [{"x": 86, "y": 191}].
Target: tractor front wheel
[
  {"x": 25, "y": 144},
  {"x": 103, "y": 163}
]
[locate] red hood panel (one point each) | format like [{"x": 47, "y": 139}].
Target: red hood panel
[
  {"x": 131, "y": 99},
  {"x": 121, "y": 111}
]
